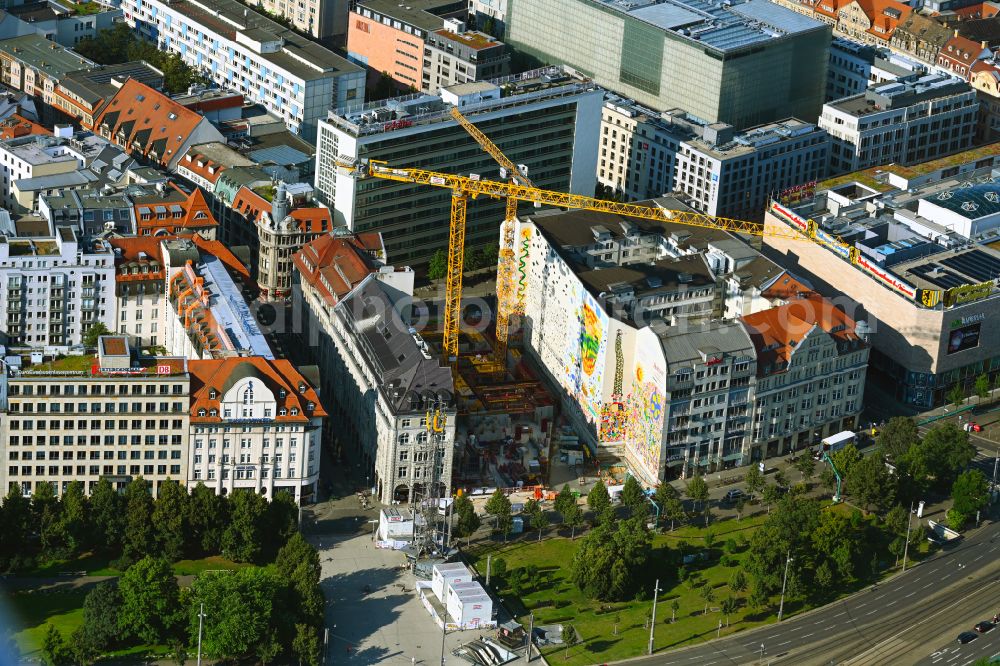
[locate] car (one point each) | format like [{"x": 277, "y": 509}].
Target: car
[
  {"x": 967, "y": 637},
  {"x": 972, "y": 426},
  {"x": 984, "y": 626},
  {"x": 734, "y": 495}
]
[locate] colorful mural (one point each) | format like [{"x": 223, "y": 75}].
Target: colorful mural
[
  {"x": 585, "y": 355},
  {"x": 614, "y": 415},
  {"x": 646, "y": 412}
]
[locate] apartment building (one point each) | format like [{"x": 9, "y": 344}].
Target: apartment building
[
  {"x": 389, "y": 37},
  {"x": 116, "y": 415},
  {"x": 547, "y": 120},
  {"x": 849, "y": 68},
  {"x": 864, "y": 22},
  {"x": 732, "y": 174},
  {"x": 166, "y": 210},
  {"x": 81, "y": 198},
  {"x": 81, "y": 94},
  {"x": 275, "y": 222},
  {"x": 37, "y": 156},
  {"x": 255, "y": 424},
  {"x": 394, "y": 398},
  {"x": 208, "y": 313},
  {"x": 147, "y": 123},
  {"x": 454, "y": 55},
  {"x": 140, "y": 279},
  {"x": 55, "y": 288},
  {"x": 61, "y": 22},
  {"x": 490, "y": 15},
  {"x": 323, "y": 19},
  {"x": 36, "y": 65},
  {"x": 811, "y": 361},
  {"x": 959, "y": 56},
  {"x": 741, "y": 63},
  {"x": 921, "y": 37},
  {"x": 292, "y": 77},
  {"x": 904, "y": 122}
]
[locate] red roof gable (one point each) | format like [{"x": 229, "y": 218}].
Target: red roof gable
[
  {"x": 278, "y": 374},
  {"x": 334, "y": 265},
  {"x": 194, "y": 214}
]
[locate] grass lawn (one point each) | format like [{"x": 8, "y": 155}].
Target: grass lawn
[
  {"x": 557, "y": 600},
  {"x": 195, "y": 567},
  {"x": 32, "y": 611}
]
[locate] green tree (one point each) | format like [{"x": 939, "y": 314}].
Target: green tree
[
  {"x": 740, "y": 505},
  {"x": 83, "y": 652},
  {"x": 498, "y": 506},
  {"x": 490, "y": 254},
  {"x": 896, "y": 520},
  {"x": 106, "y": 513},
  {"x": 728, "y": 607},
  {"x": 956, "y": 395},
  {"x": 754, "y": 480},
  {"x": 970, "y": 492},
  {"x": 149, "y": 600},
  {"x": 871, "y": 484},
  {"x": 946, "y": 451},
  {"x": 306, "y": 646},
  {"x": 956, "y": 519},
  {"x": 281, "y": 522},
  {"x": 139, "y": 537},
  {"x": 563, "y": 499},
  {"x": 297, "y": 564},
  {"x": 697, "y": 490},
  {"x": 634, "y": 498},
  {"x": 824, "y": 577},
  {"x": 437, "y": 268},
  {"x": 771, "y": 495},
  {"x": 170, "y": 516},
  {"x": 96, "y": 330},
  {"x": 54, "y": 649},
  {"x": 537, "y": 518},
  {"x": 664, "y": 493},
  {"x": 738, "y": 582},
  {"x": 897, "y": 436},
  {"x": 75, "y": 516},
  {"x": 806, "y": 466},
  {"x": 598, "y": 500},
  {"x": 569, "y": 638},
  {"x": 673, "y": 511},
  {"x": 247, "y": 614},
  {"x": 15, "y": 521},
  {"x": 101, "y": 616},
  {"x": 208, "y": 514},
  {"x": 674, "y": 607},
  {"x": 243, "y": 538},
  {"x": 982, "y": 387},
  {"x": 468, "y": 520},
  {"x": 573, "y": 518},
  {"x": 707, "y": 593},
  {"x": 593, "y": 566}
]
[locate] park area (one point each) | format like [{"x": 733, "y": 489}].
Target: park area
[{"x": 712, "y": 594}]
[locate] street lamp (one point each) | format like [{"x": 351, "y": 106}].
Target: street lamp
[
  {"x": 784, "y": 583},
  {"x": 652, "y": 624},
  {"x": 201, "y": 619}
]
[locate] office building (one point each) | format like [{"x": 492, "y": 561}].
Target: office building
[
  {"x": 80, "y": 197},
  {"x": 854, "y": 67},
  {"x": 38, "y": 156},
  {"x": 115, "y": 415},
  {"x": 921, "y": 37},
  {"x": 547, "y": 120},
  {"x": 454, "y": 55},
  {"x": 915, "y": 121},
  {"x": 393, "y": 396},
  {"x": 256, "y": 425},
  {"x": 36, "y": 65},
  {"x": 925, "y": 279},
  {"x": 292, "y": 77},
  {"x": 55, "y": 288},
  {"x": 639, "y": 148},
  {"x": 389, "y": 37},
  {"x": 274, "y": 222},
  {"x": 61, "y": 22},
  {"x": 741, "y": 63},
  {"x": 731, "y": 174},
  {"x": 322, "y": 19},
  {"x": 490, "y": 16},
  {"x": 811, "y": 367}
]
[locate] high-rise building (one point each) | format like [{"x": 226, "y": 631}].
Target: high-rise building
[
  {"x": 741, "y": 63},
  {"x": 292, "y": 77},
  {"x": 547, "y": 120},
  {"x": 905, "y": 122},
  {"x": 454, "y": 55}
]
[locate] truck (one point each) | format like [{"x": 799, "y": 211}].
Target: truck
[{"x": 836, "y": 442}]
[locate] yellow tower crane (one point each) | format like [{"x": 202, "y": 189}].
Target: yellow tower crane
[
  {"x": 506, "y": 305},
  {"x": 464, "y": 187}
]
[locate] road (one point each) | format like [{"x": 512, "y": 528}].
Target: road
[{"x": 880, "y": 625}]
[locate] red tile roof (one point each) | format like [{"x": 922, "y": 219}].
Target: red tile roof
[
  {"x": 153, "y": 124},
  {"x": 249, "y": 204},
  {"x": 959, "y": 54},
  {"x": 312, "y": 219},
  {"x": 278, "y": 374},
  {"x": 777, "y": 331},
  {"x": 786, "y": 288},
  {"x": 17, "y": 125},
  {"x": 885, "y": 16},
  {"x": 195, "y": 213},
  {"x": 202, "y": 166},
  {"x": 223, "y": 253},
  {"x": 981, "y": 10},
  {"x": 130, "y": 250},
  {"x": 334, "y": 265}
]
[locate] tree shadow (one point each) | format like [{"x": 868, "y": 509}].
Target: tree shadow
[
  {"x": 353, "y": 614},
  {"x": 602, "y": 644}
]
